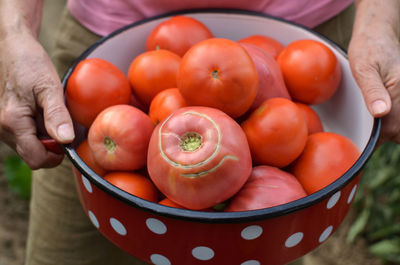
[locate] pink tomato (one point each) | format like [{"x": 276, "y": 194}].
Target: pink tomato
[
  {"x": 119, "y": 137},
  {"x": 270, "y": 78},
  {"x": 198, "y": 157},
  {"x": 267, "y": 187}
]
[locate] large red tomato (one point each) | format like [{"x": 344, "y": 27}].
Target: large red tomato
[
  {"x": 86, "y": 155},
  {"x": 119, "y": 137},
  {"x": 151, "y": 72},
  {"x": 164, "y": 103},
  {"x": 311, "y": 71},
  {"x": 270, "y": 79},
  {"x": 198, "y": 157},
  {"x": 94, "y": 85},
  {"x": 218, "y": 73},
  {"x": 276, "y": 132},
  {"x": 168, "y": 202},
  {"x": 268, "y": 44},
  {"x": 177, "y": 34},
  {"x": 326, "y": 157},
  {"x": 314, "y": 123},
  {"x": 267, "y": 187},
  {"x": 134, "y": 183}
]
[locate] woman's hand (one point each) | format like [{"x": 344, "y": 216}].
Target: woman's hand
[
  {"x": 29, "y": 87},
  {"x": 374, "y": 56}
]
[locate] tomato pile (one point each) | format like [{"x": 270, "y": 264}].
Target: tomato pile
[{"x": 207, "y": 123}]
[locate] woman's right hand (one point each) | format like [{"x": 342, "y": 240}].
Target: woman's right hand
[{"x": 29, "y": 87}]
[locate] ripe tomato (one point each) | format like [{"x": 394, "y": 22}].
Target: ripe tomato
[
  {"x": 86, "y": 155},
  {"x": 276, "y": 132},
  {"x": 218, "y": 73},
  {"x": 138, "y": 104},
  {"x": 326, "y": 157},
  {"x": 268, "y": 44},
  {"x": 177, "y": 34},
  {"x": 168, "y": 202},
  {"x": 119, "y": 138},
  {"x": 94, "y": 85},
  {"x": 311, "y": 71},
  {"x": 164, "y": 103},
  {"x": 267, "y": 187},
  {"x": 151, "y": 72},
  {"x": 314, "y": 123},
  {"x": 134, "y": 183},
  {"x": 198, "y": 157},
  {"x": 270, "y": 79}
]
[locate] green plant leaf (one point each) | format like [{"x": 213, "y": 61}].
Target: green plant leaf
[
  {"x": 385, "y": 232},
  {"x": 359, "y": 225},
  {"x": 377, "y": 203},
  {"x": 18, "y": 175},
  {"x": 385, "y": 248}
]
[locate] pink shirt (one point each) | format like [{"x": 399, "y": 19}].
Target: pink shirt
[{"x": 105, "y": 16}]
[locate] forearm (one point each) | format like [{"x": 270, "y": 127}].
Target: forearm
[
  {"x": 380, "y": 17},
  {"x": 20, "y": 16}
]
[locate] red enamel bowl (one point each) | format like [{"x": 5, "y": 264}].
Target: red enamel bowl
[{"x": 163, "y": 235}]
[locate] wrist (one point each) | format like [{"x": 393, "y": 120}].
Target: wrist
[
  {"x": 378, "y": 18},
  {"x": 20, "y": 17}
]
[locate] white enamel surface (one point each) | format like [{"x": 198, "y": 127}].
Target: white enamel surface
[{"x": 344, "y": 113}]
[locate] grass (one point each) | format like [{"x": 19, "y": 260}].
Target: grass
[
  {"x": 18, "y": 175},
  {"x": 378, "y": 204}
]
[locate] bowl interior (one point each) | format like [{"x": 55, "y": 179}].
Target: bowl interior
[{"x": 345, "y": 113}]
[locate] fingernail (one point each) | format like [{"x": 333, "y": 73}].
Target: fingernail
[
  {"x": 65, "y": 132},
  {"x": 379, "y": 107}
]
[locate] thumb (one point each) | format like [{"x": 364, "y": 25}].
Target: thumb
[
  {"x": 376, "y": 96},
  {"x": 57, "y": 120}
]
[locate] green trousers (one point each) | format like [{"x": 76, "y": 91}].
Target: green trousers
[{"x": 59, "y": 231}]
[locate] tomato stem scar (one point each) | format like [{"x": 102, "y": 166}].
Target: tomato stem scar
[
  {"x": 109, "y": 144},
  {"x": 190, "y": 141},
  {"x": 215, "y": 73}
]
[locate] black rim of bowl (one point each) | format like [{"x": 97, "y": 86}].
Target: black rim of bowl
[{"x": 219, "y": 217}]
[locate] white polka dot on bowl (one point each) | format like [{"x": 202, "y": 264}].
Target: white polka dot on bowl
[
  {"x": 93, "y": 219},
  {"x": 86, "y": 184},
  {"x": 352, "y": 193},
  {"x": 333, "y": 200},
  {"x": 327, "y": 232},
  {"x": 158, "y": 259},
  {"x": 156, "y": 226},
  {"x": 251, "y": 232},
  {"x": 118, "y": 226},
  {"x": 203, "y": 253},
  {"x": 294, "y": 239},
  {"x": 251, "y": 262}
]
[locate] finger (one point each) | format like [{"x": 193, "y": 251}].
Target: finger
[
  {"x": 19, "y": 133},
  {"x": 57, "y": 120},
  {"x": 375, "y": 94},
  {"x": 26, "y": 145}
]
